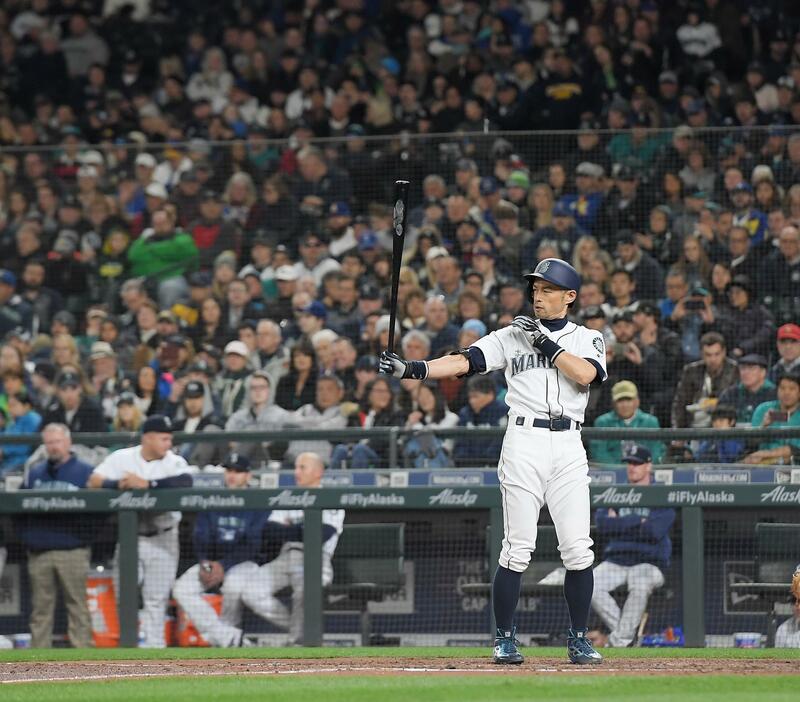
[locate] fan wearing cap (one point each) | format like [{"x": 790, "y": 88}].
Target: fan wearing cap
[
  {"x": 194, "y": 414},
  {"x": 212, "y": 233},
  {"x": 561, "y": 233},
  {"x": 752, "y": 389},
  {"x": 231, "y": 384},
  {"x": 636, "y": 555},
  {"x": 586, "y": 202},
  {"x": 73, "y": 407},
  {"x": 165, "y": 254},
  {"x": 745, "y": 215},
  {"x": 226, "y": 545},
  {"x": 720, "y": 448},
  {"x": 782, "y": 412},
  {"x": 788, "y": 343},
  {"x": 745, "y": 323},
  {"x": 105, "y": 375},
  {"x": 314, "y": 258},
  {"x": 779, "y": 276},
  {"x": 150, "y": 466},
  {"x": 626, "y": 414}
]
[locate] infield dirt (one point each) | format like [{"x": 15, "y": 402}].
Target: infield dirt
[{"x": 104, "y": 670}]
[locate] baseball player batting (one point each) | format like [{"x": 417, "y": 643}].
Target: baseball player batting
[{"x": 549, "y": 364}]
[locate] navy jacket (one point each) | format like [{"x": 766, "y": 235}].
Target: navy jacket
[
  {"x": 480, "y": 450},
  {"x": 58, "y": 531},
  {"x": 637, "y": 535},
  {"x": 229, "y": 537}
]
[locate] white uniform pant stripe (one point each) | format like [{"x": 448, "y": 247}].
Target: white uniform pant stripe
[{"x": 640, "y": 580}]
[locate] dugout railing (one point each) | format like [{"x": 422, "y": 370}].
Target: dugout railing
[{"x": 706, "y": 514}]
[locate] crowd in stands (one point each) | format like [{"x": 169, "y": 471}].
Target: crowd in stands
[{"x": 174, "y": 241}]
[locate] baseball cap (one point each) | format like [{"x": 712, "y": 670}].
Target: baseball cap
[
  {"x": 46, "y": 369},
  {"x": 436, "y": 252},
  {"x": 167, "y": 316},
  {"x": 175, "y": 340},
  {"x": 753, "y": 359},
  {"x": 209, "y": 195},
  {"x": 157, "y": 423},
  {"x": 69, "y": 380},
  {"x": 668, "y": 77},
  {"x": 200, "y": 367},
  {"x": 368, "y": 242},
  {"x": 489, "y": 185},
  {"x": 474, "y": 325},
  {"x": 126, "y": 398},
  {"x": 561, "y": 209},
  {"x": 789, "y": 331},
  {"x": 200, "y": 279},
  {"x": 146, "y": 160},
  {"x": 194, "y": 388},
  {"x": 8, "y": 278},
  {"x": 339, "y": 209},
  {"x": 695, "y": 107},
  {"x": 684, "y": 131},
  {"x": 102, "y": 349},
  {"x": 316, "y": 308},
  {"x": 466, "y": 164},
  {"x": 742, "y": 186},
  {"x": 236, "y": 462},
  {"x": 237, "y": 347},
  {"x": 156, "y": 190},
  {"x": 624, "y": 390},
  {"x": 593, "y": 312},
  {"x": 87, "y": 171},
  {"x": 624, "y": 316},
  {"x": 518, "y": 179},
  {"x": 286, "y": 273},
  {"x": 370, "y": 292},
  {"x": 637, "y": 454},
  {"x": 585, "y": 168}
]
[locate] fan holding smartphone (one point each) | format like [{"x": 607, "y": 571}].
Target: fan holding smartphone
[{"x": 782, "y": 412}]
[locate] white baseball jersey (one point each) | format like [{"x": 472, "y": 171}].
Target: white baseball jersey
[
  {"x": 536, "y": 388},
  {"x": 130, "y": 460},
  {"x": 331, "y": 517}
]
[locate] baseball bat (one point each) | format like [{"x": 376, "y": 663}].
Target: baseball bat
[{"x": 399, "y": 221}]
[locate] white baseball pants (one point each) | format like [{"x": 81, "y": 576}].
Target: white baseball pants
[
  {"x": 641, "y": 580},
  {"x": 218, "y": 629},
  {"x": 157, "y": 568},
  {"x": 538, "y": 467},
  {"x": 284, "y": 571}
]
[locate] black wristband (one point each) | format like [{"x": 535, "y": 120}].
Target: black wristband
[
  {"x": 416, "y": 370},
  {"x": 549, "y": 348},
  {"x": 110, "y": 484}
]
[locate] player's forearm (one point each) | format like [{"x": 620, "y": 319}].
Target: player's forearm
[
  {"x": 447, "y": 366},
  {"x": 576, "y": 368}
]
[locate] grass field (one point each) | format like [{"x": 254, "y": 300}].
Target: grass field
[{"x": 387, "y": 685}]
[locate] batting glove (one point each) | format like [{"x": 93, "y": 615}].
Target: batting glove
[
  {"x": 390, "y": 363},
  {"x": 531, "y": 327}
]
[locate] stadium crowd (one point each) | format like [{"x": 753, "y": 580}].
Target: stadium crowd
[{"x": 195, "y": 213}]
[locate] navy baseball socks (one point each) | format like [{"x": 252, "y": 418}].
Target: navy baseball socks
[
  {"x": 505, "y": 595},
  {"x": 578, "y": 586}
]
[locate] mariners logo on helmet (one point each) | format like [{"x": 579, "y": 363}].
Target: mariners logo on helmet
[{"x": 557, "y": 272}]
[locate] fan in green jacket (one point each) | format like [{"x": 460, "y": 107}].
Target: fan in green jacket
[
  {"x": 164, "y": 254},
  {"x": 626, "y": 413}
]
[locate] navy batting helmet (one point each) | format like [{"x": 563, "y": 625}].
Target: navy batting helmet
[{"x": 557, "y": 272}]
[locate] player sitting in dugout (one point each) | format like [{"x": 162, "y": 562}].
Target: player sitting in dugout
[{"x": 636, "y": 555}]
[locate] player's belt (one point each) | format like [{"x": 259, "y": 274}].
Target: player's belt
[
  {"x": 551, "y": 423},
  {"x": 155, "y": 532}
]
